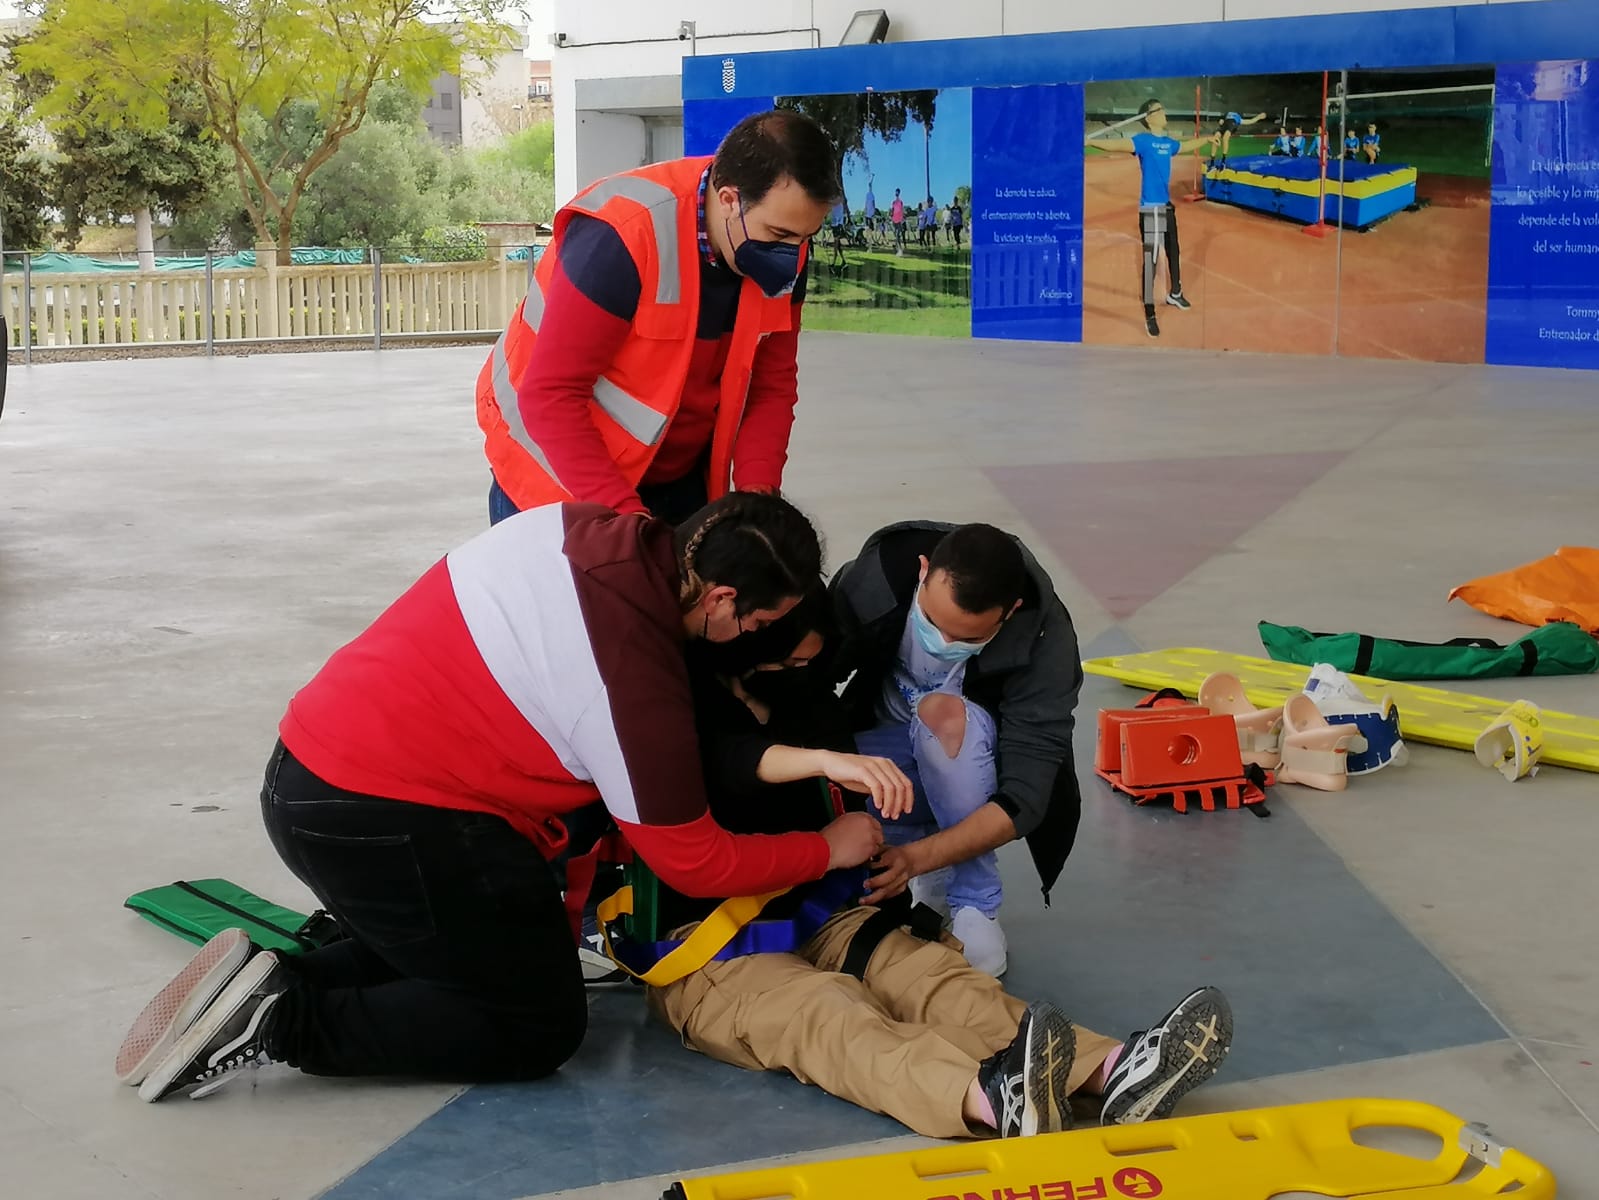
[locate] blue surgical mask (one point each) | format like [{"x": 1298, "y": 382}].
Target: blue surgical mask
[
  {"x": 774, "y": 266},
  {"x": 932, "y": 641}
]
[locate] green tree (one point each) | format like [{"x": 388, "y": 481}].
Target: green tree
[
  {"x": 104, "y": 174},
  {"x": 23, "y": 223},
  {"x": 513, "y": 180},
  {"x": 249, "y": 61},
  {"x": 382, "y": 189},
  {"x": 849, "y": 117}
]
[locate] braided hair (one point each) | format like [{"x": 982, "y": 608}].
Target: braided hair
[{"x": 759, "y": 545}]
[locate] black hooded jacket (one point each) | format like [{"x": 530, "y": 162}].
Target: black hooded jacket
[{"x": 1028, "y": 677}]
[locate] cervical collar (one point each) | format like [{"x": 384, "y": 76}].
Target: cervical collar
[{"x": 1377, "y": 744}]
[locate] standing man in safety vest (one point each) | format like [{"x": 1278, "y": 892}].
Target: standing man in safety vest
[{"x": 652, "y": 366}]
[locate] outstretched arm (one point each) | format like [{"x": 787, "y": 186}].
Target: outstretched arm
[{"x": 1120, "y": 146}]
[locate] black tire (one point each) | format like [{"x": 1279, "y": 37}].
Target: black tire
[{"x": 5, "y": 357}]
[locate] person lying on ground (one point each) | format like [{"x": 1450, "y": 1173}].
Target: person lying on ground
[{"x": 863, "y": 1007}]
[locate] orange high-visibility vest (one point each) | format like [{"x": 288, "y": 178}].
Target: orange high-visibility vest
[{"x": 655, "y": 211}]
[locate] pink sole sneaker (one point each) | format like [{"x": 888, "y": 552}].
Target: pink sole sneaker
[{"x": 176, "y": 1006}]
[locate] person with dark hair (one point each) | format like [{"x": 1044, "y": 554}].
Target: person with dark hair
[
  {"x": 868, "y": 1004},
  {"x": 963, "y": 668},
  {"x": 1157, "y": 216},
  {"x": 1221, "y": 142},
  {"x": 420, "y": 780},
  {"x": 652, "y": 365}
]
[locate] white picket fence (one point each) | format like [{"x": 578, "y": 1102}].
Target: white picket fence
[{"x": 268, "y": 302}]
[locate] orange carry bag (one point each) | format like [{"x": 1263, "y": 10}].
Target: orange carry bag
[{"x": 1562, "y": 587}]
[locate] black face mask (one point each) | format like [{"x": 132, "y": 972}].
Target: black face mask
[{"x": 789, "y": 688}]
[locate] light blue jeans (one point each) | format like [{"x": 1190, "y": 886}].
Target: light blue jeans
[{"x": 948, "y": 790}]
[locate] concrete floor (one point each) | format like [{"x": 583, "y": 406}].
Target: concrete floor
[{"x": 182, "y": 543}]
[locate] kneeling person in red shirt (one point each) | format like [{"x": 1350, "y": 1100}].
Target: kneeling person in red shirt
[{"x": 419, "y": 781}]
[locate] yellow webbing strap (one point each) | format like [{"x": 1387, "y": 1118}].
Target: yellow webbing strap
[{"x": 698, "y": 948}]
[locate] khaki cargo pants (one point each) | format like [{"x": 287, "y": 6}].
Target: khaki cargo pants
[{"x": 905, "y": 1041}]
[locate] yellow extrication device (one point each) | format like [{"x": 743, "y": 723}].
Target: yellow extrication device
[{"x": 1331, "y": 1148}]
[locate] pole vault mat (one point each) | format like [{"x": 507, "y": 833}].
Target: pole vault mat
[
  {"x": 1251, "y": 1155},
  {"x": 1426, "y": 714},
  {"x": 1291, "y": 188}
]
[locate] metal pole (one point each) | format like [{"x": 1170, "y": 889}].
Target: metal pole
[
  {"x": 1488, "y": 147},
  {"x": 1115, "y": 125},
  {"x": 1338, "y": 268},
  {"x": 210, "y": 306},
  {"x": 1470, "y": 87},
  {"x": 377, "y": 298},
  {"x": 27, "y": 307},
  {"x": 528, "y": 291},
  {"x": 5, "y": 329}
]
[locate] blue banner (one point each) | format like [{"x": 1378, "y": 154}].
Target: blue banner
[
  {"x": 1543, "y": 250},
  {"x": 707, "y": 122},
  {"x": 1027, "y": 213}
]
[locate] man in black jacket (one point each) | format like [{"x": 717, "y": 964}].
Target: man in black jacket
[{"x": 963, "y": 668}]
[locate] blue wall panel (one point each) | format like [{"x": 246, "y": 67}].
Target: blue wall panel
[
  {"x": 1027, "y": 210},
  {"x": 1027, "y": 257},
  {"x": 706, "y": 122},
  {"x": 1406, "y": 38},
  {"x": 1543, "y": 250}
]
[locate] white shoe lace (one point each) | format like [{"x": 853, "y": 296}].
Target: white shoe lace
[
  {"x": 225, "y": 1072},
  {"x": 1014, "y": 1098}
]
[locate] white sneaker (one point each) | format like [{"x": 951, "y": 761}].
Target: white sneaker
[
  {"x": 983, "y": 939},
  {"x": 931, "y": 889},
  {"x": 1163, "y": 1063}
]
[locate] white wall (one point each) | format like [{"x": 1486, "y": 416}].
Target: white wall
[
  {"x": 571, "y": 63},
  {"x": 608, "y": 143},
  {"x": 789, "y": 24}
]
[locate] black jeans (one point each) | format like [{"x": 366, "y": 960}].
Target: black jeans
[{"x": 459, "y": 963}]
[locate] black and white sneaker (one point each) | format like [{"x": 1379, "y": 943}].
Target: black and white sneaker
[
  {"x": 1151, "y": 326},
  {"x": 1026, "y": 1081},
  {"x": 168, "y": 1017},
  {"x": 225, "y": 1037},
  {"x": 1178, "y": 300},
  {"x": 1161, "y": 1065}
]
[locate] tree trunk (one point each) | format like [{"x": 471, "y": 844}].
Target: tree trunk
[
  {"x": 286, "y": 229},
  {"x": 144, "y": 238}
]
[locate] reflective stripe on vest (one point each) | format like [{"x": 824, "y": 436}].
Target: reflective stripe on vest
[
  {"x": 511, "y": 412},
  {"x": 653, "y": 196},
  {"x": 637, "y": 419}
]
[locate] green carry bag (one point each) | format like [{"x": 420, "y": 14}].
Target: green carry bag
[
  {"x": 197, "y": 910},
  {"x": 1555, "y": 649}
]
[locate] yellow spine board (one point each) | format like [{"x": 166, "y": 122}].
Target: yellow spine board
[
  {"x": 1426, "y": 714},
  {"x": 1251, "y": 1155}
]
